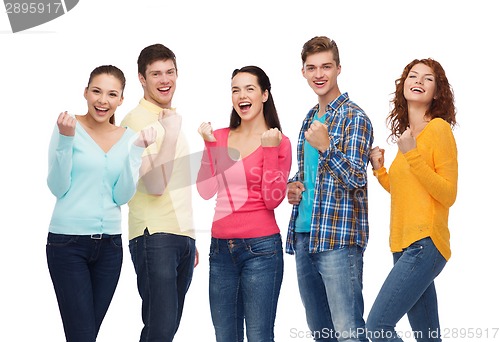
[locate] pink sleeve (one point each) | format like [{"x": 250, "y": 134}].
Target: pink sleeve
[
  {"x": 276, "y": 168},
  {"x": 206, "y": 182}
]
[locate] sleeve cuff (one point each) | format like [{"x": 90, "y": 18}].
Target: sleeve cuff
[
  {"x": 65, "y": 141},
  {"x": 379, "y": 172}
]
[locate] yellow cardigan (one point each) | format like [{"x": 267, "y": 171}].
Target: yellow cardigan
[{"x": 423, "y": 187}]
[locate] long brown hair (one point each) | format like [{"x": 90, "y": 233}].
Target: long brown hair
[
  {"x": 270, "y": 113},
  {"x": 442, "y": 105}
]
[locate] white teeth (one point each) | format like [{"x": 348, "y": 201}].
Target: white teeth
[
  {"x": 320, "y": 83},
  {"x": 245, "y": 104},
  {"x": 103, "y": 109},
  {"x": 420, "y": 90},
  {"x": 164, "y": 89}
]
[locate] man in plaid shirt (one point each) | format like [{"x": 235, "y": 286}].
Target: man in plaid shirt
[{"x": 328, "y": 229}]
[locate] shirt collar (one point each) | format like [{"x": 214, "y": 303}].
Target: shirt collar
[
  {"x": 337, "y": 103},
  {"x": 150, "y": 106}
]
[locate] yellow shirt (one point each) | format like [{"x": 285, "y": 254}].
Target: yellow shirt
[
  {"x": 423, "y": 187},
  {"x": 171, "y": 212}
]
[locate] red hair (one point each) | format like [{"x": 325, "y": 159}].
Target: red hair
[{"x": 442, "y": 105}]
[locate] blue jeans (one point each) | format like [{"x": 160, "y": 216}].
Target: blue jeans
[
  {"x": 164, "y": 266},
  {"x": 409, "y": 289},
  {"x": 244, "y": 285},
  {"x": 84, "y": 273},
  {"x": 330, "y": 285}
]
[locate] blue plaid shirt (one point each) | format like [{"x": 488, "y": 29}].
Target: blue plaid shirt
[{"x": 340, "y": 207}]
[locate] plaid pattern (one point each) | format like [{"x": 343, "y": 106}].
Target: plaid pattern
[{"x": 340, "y": 208}]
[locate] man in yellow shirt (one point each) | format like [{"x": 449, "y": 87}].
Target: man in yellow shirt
[{"x": 161, "y": 231}]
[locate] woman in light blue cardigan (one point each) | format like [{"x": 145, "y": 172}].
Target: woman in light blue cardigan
[{"x": 93, "y": 170}]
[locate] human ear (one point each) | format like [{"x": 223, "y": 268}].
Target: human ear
[{"x": 142, "y": 79}]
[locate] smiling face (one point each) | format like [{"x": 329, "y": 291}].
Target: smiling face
[
  {"x": 248, "y": 98},
  {"x": 159, "y": 82},
  {"x": 420, "y": 85},
  {"x": 321, "y": 72},
  {"x": 103, "y": 94}
]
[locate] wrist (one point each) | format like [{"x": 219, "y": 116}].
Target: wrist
[{"x": 322, "y": 149}]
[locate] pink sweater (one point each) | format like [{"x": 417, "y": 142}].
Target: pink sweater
[{"x": 247, "y": 190}]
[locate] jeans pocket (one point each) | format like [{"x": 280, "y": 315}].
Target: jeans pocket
[
  {"x": 60, "y": 240},
  {"x": 415, "y": 250},
  {"x": 116, "y": 241},
  {"x": 265, "y": 246}
]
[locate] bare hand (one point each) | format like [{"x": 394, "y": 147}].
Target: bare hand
[
  {"x": 406, "y": 141},
  {"x": 171, "y": 121},
  {"x": 317, "y": 136},
  {"x": 271, "y": 138},
  {"x": 196, "y": 258},
  {"x": 377, "y": 157},
  {"x": 146, "y": 137},
  {"x": 206, "y": 132},
  {"x": 66, "y": 124},
  {"x": 294, "y": 193}
]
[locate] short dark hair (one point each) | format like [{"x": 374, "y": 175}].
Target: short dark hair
[{"x": 153, "y": 53}]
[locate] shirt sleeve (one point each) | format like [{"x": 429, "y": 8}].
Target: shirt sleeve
[
  {"x": 125, "y": 186},
  {"x": 383, "y": 178},
  {"x": 276, "y": 168},
  {"x": 206, "y": 182},
  {"x": 349, "y": 165},
  {"x": 440, "y": 182},
  {"x": 294, "y": 178},
  {"x": 60, "y": 163}
]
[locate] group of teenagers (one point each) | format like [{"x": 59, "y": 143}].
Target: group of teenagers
[{"x": 96, "y": 166}]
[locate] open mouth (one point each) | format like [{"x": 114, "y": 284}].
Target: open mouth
[
  {"x": 164, "y": 89},
  {"x": 319, "y": 83},
  {"x": 245, "y": 106},
  {"x": 417, "y": 90},
  {"x": 101, "y": 110}
]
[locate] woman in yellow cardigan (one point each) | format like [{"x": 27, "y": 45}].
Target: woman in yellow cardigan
[{"x": 422, "y": 181}]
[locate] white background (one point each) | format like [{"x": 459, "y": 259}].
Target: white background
[{"x": 44, "y": 70}]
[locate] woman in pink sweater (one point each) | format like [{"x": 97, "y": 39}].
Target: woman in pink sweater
[
  {"x": 247, "y": 166},
  {"x": 422, "y": 181}
]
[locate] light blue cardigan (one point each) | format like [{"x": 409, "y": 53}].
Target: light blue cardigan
[{"x": 90, "y": 185}]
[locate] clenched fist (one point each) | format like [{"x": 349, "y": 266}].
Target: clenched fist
[
  {"x": 406, "y": 141},
  {"x": 66, "y": 124},
  {"x": 146, "y": 137},
  {"x": 317, "y": 136},
  {"x": 206, "y": 132},
  {"x": 271, "y": 138},
  {"x": 171, "y": 121},
  {"x": 294, "y": 192},
  {"x": 377, "y": 157}
]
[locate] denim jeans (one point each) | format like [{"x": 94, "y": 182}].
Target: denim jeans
[
  {"x": 330, "y": 285},
  {"x": 409, "y": 289},
  {"x": 84, "y": 273},
  {"x": 164, "y": 266},
  {"x": 244, "y": 285}
]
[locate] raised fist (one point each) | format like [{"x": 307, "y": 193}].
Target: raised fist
[
  {"x": 66, "y": 124},
  {"x": 206, "y": 132}
]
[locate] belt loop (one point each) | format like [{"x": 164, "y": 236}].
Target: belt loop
[{"x": 96, "y": 236}]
